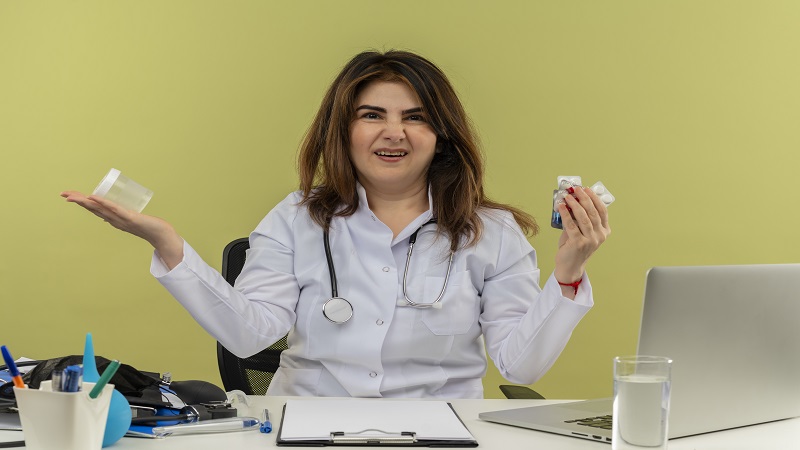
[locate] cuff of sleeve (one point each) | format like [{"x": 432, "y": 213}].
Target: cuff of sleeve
[
  {"x": 584, "y": 295},
  {"x": 159, "y": 270}
]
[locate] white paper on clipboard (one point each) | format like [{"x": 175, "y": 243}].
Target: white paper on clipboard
[{"x": 316, "y": 419}]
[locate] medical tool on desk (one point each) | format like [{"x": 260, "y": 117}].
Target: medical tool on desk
[
  {"x": 338, "y": 310},
  {"x": 119, "y": 411},
  {"x": 189, "y": 414},
  {"x": 566, "y": 186},
  {"x": 213, "y": 416}
]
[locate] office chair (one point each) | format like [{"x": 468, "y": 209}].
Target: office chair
[{"x": 253, "y": 374}]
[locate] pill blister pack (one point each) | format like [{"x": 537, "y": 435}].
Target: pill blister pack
[{"x": 566, "y": 186}]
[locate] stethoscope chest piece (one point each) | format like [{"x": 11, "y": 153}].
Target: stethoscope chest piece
[{"x": 337, "y": 310}]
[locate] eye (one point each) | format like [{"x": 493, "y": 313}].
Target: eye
[
  {"x": 370, "y": 115},
  {"x": 416, "y": 118}
]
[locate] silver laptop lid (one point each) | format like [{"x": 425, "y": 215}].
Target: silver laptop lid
[{"x": 733, "y": 333}]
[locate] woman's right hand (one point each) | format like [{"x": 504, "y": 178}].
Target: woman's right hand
[{"x": 158, "y": 232}]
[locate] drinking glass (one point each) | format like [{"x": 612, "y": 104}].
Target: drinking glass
[{"x": 641, "y": 402}]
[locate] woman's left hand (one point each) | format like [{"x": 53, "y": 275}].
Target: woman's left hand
[{"x": 585, "y": 220}]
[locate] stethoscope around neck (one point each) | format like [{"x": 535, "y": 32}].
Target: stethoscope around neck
[{"x": 338, "y": 310}]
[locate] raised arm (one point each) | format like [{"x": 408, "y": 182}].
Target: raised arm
[
  {"x": 158, "y": 232},
  {"x": 586, "y": 227}
]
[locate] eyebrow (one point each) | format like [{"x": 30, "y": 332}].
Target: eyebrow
[{"x": 383, "y": 110}]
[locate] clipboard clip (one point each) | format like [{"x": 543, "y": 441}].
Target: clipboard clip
[{"x": 373, "y": 436}]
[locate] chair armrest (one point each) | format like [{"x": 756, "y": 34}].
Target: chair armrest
[{"x": 520, "y": 392}]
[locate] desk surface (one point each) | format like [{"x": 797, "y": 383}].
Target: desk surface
[{"x": 783, "y": 435}]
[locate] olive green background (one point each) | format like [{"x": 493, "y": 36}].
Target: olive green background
[{"x": 687, "y": 110}]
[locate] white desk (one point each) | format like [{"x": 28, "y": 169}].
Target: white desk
[{"x": 783, "y": 435}]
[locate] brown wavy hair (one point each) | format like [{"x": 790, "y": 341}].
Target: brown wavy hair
[{"x": 455, "y": 176}]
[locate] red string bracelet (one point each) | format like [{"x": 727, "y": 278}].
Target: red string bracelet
[{"x": 574, "y": 284}]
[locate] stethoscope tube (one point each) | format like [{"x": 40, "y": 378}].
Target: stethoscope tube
[
  {"x": 412, "y": 240},
  {"x": 338, "y": 310}
]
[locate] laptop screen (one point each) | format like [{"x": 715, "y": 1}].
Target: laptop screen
[{"x": 734, "y": 336}]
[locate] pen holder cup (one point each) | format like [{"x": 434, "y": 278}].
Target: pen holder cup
[{"x": 63, "y": 420}]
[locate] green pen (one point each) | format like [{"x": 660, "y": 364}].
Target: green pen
[{"x": 101, "y": 383}]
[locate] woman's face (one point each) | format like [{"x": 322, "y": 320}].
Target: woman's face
[{"x": 391, "y": 142}]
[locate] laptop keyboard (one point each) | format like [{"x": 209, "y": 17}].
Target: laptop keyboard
[{"x": 603, "y": 422}]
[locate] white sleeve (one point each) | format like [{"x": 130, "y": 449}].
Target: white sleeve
[
  {"x": 526, "y": 327},
  {"x": 261, "y": 308}
]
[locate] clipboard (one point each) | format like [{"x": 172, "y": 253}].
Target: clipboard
[{"x": 372, "y": 422}]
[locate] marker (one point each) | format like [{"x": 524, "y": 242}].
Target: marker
[
  {"x": 266, "y": 425},
  {"x": 103, "y": 381},
  {"x": 57, "y": 378},
  {"x": 12, "y": 368},
  {"x": 71, "y": 379}
]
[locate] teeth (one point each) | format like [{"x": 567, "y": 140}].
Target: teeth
[{"x": 391, "y": 153}]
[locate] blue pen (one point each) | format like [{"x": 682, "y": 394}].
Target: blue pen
[
  {"x": 12, "y": 368},
  {"x": 266, "y": 425}
]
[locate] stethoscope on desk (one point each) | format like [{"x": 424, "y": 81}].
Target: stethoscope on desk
[{"x": 338, "y": 310}]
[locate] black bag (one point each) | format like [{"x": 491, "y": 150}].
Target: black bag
[{"x": 139, "y": 388}]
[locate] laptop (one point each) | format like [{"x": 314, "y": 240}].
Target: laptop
[{"x": 734, "y": 338}]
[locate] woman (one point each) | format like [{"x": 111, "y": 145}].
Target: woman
[{"x": 389, "y": 160}]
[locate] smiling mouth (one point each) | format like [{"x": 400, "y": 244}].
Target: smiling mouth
[{"x": 392, "y": 154}]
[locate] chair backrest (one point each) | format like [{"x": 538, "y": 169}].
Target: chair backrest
[{"x": 253, "y": 374}]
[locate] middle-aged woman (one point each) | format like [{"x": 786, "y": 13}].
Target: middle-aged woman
[{"x": 390, "y": 160}]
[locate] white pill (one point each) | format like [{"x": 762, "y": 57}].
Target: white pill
[{"x": 605, "y": 195}]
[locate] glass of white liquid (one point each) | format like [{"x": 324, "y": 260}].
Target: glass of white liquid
[{"x": 641, "y": 402}]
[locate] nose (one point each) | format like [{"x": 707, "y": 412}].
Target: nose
[{"x": 395, "y": 131}]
